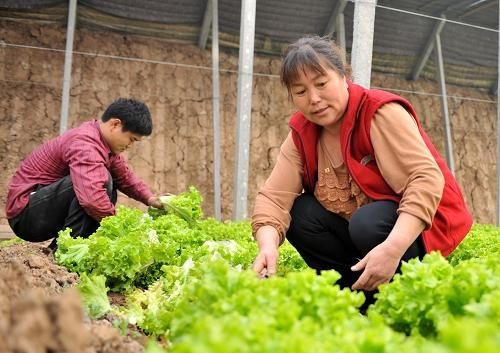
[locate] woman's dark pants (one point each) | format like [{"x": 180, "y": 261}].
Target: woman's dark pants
[
  {"x": 54, "y": 207},
  {"x": 327, "y": 241}
]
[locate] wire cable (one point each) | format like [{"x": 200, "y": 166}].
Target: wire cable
[{"x": 438, "y": 18}]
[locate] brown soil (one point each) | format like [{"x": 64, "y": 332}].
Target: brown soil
[{"x": 41, "y": 312}]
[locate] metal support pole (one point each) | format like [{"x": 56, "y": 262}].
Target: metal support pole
[
  {"x": 332, "y": 26},
  {"x": 215, "y": 107},
  {"x": 498, "y": 130},
  {"x": 362, "y": 42},
  {"x": 243, "y": 108},
  {"x": 340, "y": 25},
  {"x": 205, "y": 26},
  {"x": 444, "y": 104},
  {"x": 68, "y": 58},
  {"x": 424, "y": 56}
]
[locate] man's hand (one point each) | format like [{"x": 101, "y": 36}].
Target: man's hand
[
  {"x": 265, "y": 262},
  {"x": 154, "y": 201}
]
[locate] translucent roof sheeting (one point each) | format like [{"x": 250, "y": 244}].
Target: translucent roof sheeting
[{"x": 469, "y": 38}]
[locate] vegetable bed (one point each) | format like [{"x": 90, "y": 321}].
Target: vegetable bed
[{"x": 187, "y": 285}]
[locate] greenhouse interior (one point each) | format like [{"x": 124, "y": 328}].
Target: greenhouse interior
[{"x": 199, "y": 248}]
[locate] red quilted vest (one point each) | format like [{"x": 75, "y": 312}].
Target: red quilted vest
[{"x": 452, "y": 220}]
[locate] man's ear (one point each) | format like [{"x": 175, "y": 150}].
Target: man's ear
[{"x": 115, "y": 123}]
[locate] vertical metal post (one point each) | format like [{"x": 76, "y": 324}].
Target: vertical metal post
[
  {"x": 216, "y": 107},
  {"x": 498, "y": 129},
  {"x": 340, "y": 25},
  {"x": 68, "y": 58},
  {"x": 362, "y": 42},
  {"x": 243, "y": 108},
  {"x": 444, "y": 103}
]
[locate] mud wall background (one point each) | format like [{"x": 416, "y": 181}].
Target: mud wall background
[{"x": 175, "y": 82}]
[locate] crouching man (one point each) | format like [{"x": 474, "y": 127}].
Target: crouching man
[{"x": 72, "y": 180}]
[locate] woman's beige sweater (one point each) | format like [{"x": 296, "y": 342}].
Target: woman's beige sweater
[{"x": 400, "y": 153}]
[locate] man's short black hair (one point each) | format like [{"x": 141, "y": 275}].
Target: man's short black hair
[{"x": 134, "y": 115}]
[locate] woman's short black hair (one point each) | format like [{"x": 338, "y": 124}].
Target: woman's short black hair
[{"x": 312, "y": 52}]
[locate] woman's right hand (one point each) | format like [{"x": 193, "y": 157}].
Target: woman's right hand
[{"x": 265, "y": 263}]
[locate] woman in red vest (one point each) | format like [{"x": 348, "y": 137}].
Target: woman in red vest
[{"x": 358, "y": 186}]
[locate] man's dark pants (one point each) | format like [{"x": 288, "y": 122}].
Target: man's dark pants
[
  {"x": 327, "y": 241},
  {"x": 55, "y": 207}
]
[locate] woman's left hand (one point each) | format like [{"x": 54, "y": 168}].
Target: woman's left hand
[{"x": 378, "y": 266}]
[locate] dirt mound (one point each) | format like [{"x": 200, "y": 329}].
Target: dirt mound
[{"x": 40, "y": 311}]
